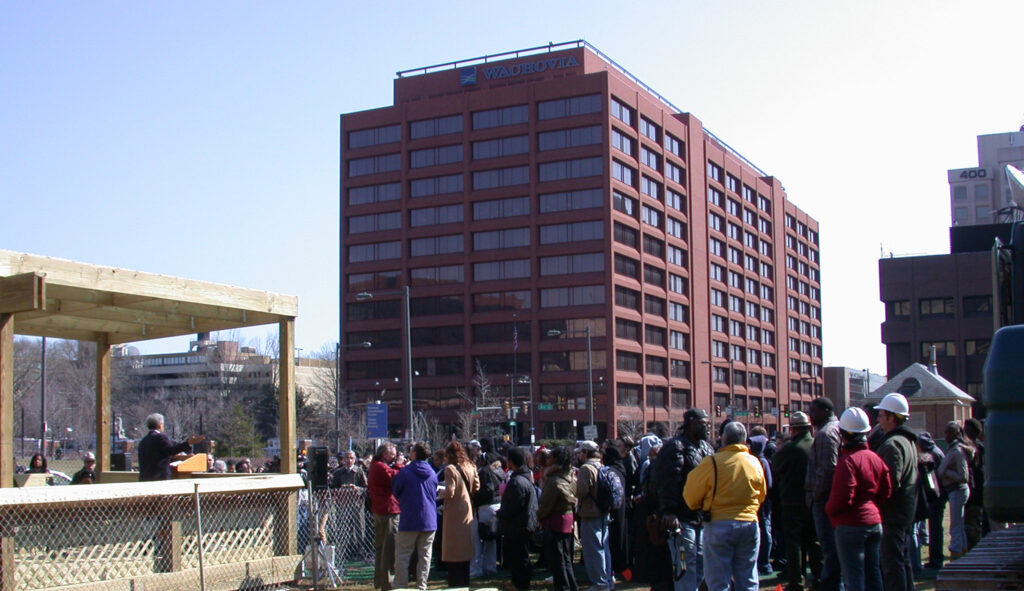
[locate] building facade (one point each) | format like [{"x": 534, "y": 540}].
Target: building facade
[
  {"x": 534, "y": 199},
  {"x": 980, "y": 194},
  {"x": 943, "y": 302}
]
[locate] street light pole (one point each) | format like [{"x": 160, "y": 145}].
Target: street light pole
[
  {"x": 590, "y": 377},
  {"x": 408, "y": 361}
]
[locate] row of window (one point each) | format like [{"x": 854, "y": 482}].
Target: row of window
[
  {"x": 802, "y": 268},
  {"x": 797, "y": 305},
  {"x": 738, "y": 305},
  {"x": 741, "y": 330},
  {"x": 928, "y": 308},
  {"x": 804, "y": 347},
  {"x": 734, "y": 209},
  {"x": 801, "y": 229},
  {"x": 647, "y": 128},
  {"x": 497, "y": 332},
  {"x": 736, "y": 256},
  {"x": 487, "y": 240}
]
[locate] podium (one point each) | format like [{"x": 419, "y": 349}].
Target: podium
[{"x": 185, "y": 468}]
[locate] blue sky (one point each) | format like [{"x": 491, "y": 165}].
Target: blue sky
[{"x": 200, "y": 139}]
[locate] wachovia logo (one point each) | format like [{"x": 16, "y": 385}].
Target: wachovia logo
[
  {"x": 555, "y": 63},
  {"x": 467, "y": 76}
]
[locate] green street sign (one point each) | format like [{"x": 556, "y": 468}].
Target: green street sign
[{"x": 543, "y": 406}]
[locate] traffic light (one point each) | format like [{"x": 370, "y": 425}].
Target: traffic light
[
  {"x": 785, "y": 410},
  {"x": 526, "y": 407},
  {"x": 718, "y": 410},
  {"x": 508, "y": 407},
  {"x": 757, "y": 412}
]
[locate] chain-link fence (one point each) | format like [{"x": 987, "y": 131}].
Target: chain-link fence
[
  {"x": 231, "y": 533},
  {"x": 347, "y": 527}
]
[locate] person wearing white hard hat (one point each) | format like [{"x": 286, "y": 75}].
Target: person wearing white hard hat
[
  {"x": 860, "y": 485},
  {"x": 898, "y": 449}
]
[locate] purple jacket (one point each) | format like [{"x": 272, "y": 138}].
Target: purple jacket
[{"x": 415, "y": 487}]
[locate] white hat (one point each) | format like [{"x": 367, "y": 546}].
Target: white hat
[
  {"x": 854, "y": 420},
  {"x": 896, "y": 404}
]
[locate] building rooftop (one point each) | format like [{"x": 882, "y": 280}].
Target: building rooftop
[{"x": 552, "y": 47}]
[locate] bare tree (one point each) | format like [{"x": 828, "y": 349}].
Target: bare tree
[
  {"x": 633, "y": 429},
  {"x": 488, "y": 404}
]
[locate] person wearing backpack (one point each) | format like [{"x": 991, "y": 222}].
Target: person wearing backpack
[
  {"x": 593, "y": 520},
  {"x": 517, "y": 519},
  {"x": 618, "y": 526},
  {"x": 485, "y": 501}
]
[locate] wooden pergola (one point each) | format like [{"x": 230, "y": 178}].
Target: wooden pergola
[{"x": 48, "y": 297}]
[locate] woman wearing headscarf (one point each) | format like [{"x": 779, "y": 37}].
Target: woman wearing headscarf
[{"x": 461, "y": 482}]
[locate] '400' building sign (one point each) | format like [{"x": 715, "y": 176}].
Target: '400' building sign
[{"x": 468, "y": 76}]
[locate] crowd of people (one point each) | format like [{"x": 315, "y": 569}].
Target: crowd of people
[
  {"x": 851, "y": 500},
  {"x": 847, "y": 500}
]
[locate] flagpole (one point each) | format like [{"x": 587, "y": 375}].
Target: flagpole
[{"x": 515, "y": 372}]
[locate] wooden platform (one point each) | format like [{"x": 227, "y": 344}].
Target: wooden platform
[{"x": 997, "y": 562}]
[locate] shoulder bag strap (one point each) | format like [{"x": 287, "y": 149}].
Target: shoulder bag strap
[{"x": 714, "y": 490}]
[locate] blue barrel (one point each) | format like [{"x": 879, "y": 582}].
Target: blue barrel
[{"x": 1004, "y": 426}]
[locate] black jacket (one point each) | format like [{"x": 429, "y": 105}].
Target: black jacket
[
  {"x": 518, "y": 511},
  {"x": 898, "y": 449},
  {"x": 155, "y": 452},
  {"x": 677, "y": 457}
]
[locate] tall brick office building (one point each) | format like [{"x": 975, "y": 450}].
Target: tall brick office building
[{"x": 528, "y": 197}]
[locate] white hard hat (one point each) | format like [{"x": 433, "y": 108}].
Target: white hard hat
[
  {"x": 854, "y": 420},
  {"x": 896, "y": 404}
]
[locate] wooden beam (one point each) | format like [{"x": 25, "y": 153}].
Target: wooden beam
[
  {"x": 286, "y": 396},
  {"x": 124, "y": 281},
  {"x": 21, "y": 293},
  {"x": 103, "y": 447},
  {"x": 6, "y": 401}
]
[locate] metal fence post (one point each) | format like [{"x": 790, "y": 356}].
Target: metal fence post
[{"x": 199, "y": 541}]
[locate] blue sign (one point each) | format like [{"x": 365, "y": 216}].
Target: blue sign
[
  {"x": 467, "y": 76},
  {"x": 376, "y": 421}
]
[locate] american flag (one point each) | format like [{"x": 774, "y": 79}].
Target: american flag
[{"x": 515, "y": 336}]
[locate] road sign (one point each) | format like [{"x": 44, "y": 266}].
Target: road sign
[
  {"x": 376, "y": 421},
  {"x": 742, "y": 413},
  {"x": 590, "y": 432},
  {"x": 476, "y": 415},
  {"x": 545, "y": 406},
  {"x": 775, "y": 412}
]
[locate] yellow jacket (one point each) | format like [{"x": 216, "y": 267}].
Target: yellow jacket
[{"x": 741, "y": 485}]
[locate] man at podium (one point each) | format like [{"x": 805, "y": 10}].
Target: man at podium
[{"x": 156, "y": 450}]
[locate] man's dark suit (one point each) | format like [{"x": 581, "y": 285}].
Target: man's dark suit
[{"x": 155, "y": 452}]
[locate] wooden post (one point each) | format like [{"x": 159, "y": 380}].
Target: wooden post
[
  {"x": 286, "y": 397},
  {"x": 7, "y": 567},
  {"x": 168, "y": 546},
  {"x": 6, "y": 400},
  {"x": 286, "y": 526},
  {"x": 103, "y": 447}
]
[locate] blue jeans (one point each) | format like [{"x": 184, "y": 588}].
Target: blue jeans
[
  {"x": 689, "y": 541},
  {"x": 730, "y": 553},
  {"x": 957, "y": 534},
  {"x": 858, "y": 547},
  {"x": 596, "y": 555},
  {"x": 829, "y": 579}
]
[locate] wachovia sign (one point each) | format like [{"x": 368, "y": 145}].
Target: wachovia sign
[{"x": 468, "y": 76}]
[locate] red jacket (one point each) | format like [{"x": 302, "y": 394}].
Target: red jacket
[
  {"x": 859, "y": 485},
  {"x": 378, "y": 486}
]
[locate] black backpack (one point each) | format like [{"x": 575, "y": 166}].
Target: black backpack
[{"x": 490, "y": 483}]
